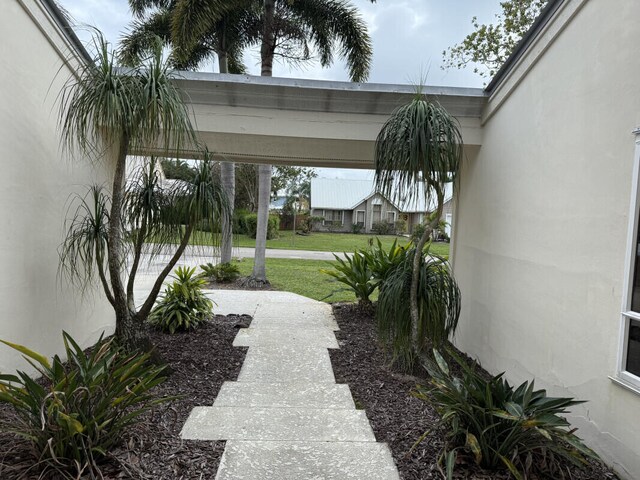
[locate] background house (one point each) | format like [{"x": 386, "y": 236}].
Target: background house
[{"x": 343, "y": 203}]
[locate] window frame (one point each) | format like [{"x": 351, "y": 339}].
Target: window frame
[
  {"x": 324, "y": 216},
  {"x": 631, "y": 257},
  {"x": 364, "y": 217},
  {"x": 394, "y": 216}
]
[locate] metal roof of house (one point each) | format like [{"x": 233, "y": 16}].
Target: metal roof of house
[{"x": 346, "y": 194}]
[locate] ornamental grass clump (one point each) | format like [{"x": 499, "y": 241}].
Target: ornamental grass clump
[
  {"x": 183, "y": 306},
  {"x": 497, "y": 426},
  {"x": 80, "y": 409}
]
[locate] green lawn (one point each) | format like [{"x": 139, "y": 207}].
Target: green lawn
[
  {"x": 322, "y": 242},
  {"x": 302, "y": 277}
]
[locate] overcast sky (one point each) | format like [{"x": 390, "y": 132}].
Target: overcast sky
[{"x": 408, "y": 39}]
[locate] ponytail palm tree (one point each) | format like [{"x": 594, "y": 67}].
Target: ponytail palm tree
[
  {"x": 417, "y": 152},
  {"x": 107, "y": 113}
]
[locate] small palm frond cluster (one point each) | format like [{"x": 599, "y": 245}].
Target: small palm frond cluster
[
  {"x": 520, "y": 429},
  {"x": 420, "y": 145},
  {"x": 84, "y": 252},
  {"x": 438, "y": 307},
  {"x": 155, "y": 216},
  {"x": 140, "y": 108},
  {"x": 183, "y": 306}
]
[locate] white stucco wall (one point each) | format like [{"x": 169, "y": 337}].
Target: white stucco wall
[
  {"x": 37, "y": 182},
  {"x": 541, "y": 222}
]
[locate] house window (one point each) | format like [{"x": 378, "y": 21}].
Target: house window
[
  {"x": 391, "y": 217},
  {"x": 629, "y": 364},
  {"x": 360, "y": 217},
  {"x": 333, "y": 217},
  {"x": 377, "y": 213}
]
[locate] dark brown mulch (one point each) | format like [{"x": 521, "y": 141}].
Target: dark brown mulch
[
  {"x": 201, "y": 361},
  {"x": 398, "y": 418}
]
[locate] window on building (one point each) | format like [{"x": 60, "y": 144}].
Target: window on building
[
  {"x": 630, "y": 348},
  {"x": 333, "y": 217},
  {"x": 377, "y": 213},
  {"x": 391, "y": 217},
  {"x": 360, "y": 217}
]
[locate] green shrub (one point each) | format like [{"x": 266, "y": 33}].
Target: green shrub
[
  {"x": 418, "y": 231},
  {"x": 221, "y": 273},
  {"x": 438, "y": 306},
  {"x": 357, "y": 227},
  {"x": 354, "y": 272},
  {"x": 239, "y": 224},
  {"x": 82, "y": 408},
  {"x": 206, "y": 225},
  {"x": 183, "y": 306},
  {"x": 382, "y": 228},
  {"x": 520, "y": 429},
  {"x": 251, "y": 225},
  {"x": 381, "y": 262},
  {"x": 400, "y": 226}
]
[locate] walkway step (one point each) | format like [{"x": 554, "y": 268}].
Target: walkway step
[
  {"x": 277, "y": 424},
  {"x": 312, "y": 336},
  {"x": 287, "y": 363},
  {"x": 289, "y": 309},
  {"x": 292, "y": 322},
  {"x": 285, "y": 395},
  {"x": 306, "y": 461}
]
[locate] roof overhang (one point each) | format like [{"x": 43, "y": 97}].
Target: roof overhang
[{"x": 244, "y": 118}]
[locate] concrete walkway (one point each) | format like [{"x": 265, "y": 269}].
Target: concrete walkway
[{"x": 285, "y": 418}]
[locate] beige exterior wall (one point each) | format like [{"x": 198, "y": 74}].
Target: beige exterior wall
[
  {"x": 37, "y": 183},
  {"x": 541, "y": 221}
]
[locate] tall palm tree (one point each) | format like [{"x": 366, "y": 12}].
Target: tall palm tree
[
  {"x": 105, "y": 114},
  {"x": 225, "y": 38},
  {"x": 291, "y": 29},
  {"x": 417, "y": 152}
]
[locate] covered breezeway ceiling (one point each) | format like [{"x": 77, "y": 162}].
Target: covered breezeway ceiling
[{"x": 308, "y": 122}]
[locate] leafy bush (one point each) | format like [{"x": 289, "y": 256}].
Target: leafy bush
[
  {"x": 357, "y": 227},
  {"x": 400, "y": 226},
  {"x": 438, "y": 307},
  {"x": 498, "y": 426},
  {"x": 239, "y": 225},
  {"x": 183, "y": 306},
  {"x": 221, "y": 273},
  {"x": 382, "y": 228},
  {"x": 251, "y": 225},
  {"x": 354, "y": 272},
  {"x": 382, "y": 262},
  {"x": 84, "y": 406},
  {"x": 418, "y": 231}
]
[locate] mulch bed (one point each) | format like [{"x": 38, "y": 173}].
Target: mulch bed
[
  {"x": 398, "y": 418},
  {"x": 200, "y": 361}
]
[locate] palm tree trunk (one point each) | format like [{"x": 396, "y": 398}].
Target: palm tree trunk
[
  {"x": 264, "y": 171},
  {"x": 264, "y": 195},
  {"x": 128, "y": 330},
  {"x": 228, "y": 180},
  {"x": 415, "y": 277}
]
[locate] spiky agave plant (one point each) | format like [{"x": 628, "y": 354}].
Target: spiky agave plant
[
  {"x": 418, "y": 151},
  {"x": 438, "y": 307}
]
